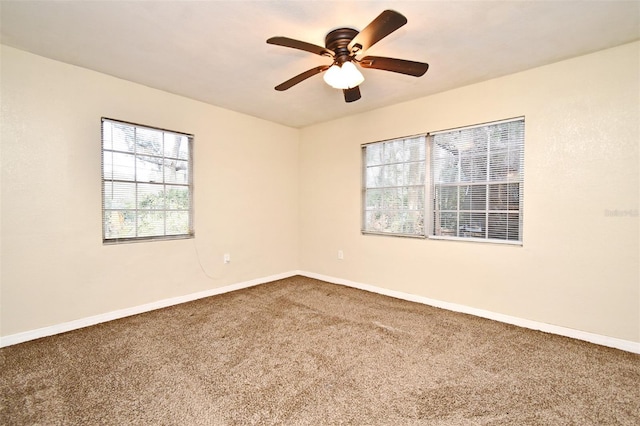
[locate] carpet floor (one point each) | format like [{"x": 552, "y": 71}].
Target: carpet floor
[{"x": 300, "y": 351}]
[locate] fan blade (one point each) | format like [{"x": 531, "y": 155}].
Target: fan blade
[
  {"x": 401, "y": 66},
  {"x": 301, "y": 77},
  {"x": 301, "y": 45},
  {"x": 386, "y": 23},
  {"x": 351, "y": 95}
]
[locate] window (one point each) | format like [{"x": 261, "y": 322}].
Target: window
[
  {"x": 394, "y": 187},
  {"x": 477, "y": 181},
  {"x": 474, "y": 182},
  {"x": 147, "y": 189}
]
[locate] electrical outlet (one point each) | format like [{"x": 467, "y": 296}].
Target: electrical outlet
[
  {"x": 340, "y": 255},
  {"x": 227, "y": 258}
]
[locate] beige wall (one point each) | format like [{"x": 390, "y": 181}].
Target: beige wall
[
  {"x": 280, "y": 199},
  {"x": 578, "y": 268},
  {"x": 54, "y": 266}
]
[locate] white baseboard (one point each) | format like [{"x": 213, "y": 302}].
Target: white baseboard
[
  {"x": 625, "y": 345},
  {"x": 14, "y": 339},
  {"x": 612, "y": 342}
]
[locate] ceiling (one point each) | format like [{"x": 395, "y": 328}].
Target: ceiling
[{"x": 216, "y": 51}]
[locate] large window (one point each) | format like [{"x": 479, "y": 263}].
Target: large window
[
  {"x": 147, "y": 187},
  {"x": 473, "y": 184}
]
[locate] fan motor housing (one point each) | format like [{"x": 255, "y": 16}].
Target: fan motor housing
[{"x": 338, "y": 40}]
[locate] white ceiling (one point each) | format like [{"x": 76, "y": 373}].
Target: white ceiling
[{"x": 215, "y": 51}]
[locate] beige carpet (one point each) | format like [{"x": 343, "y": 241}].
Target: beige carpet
[{"x": 304, "y": 352}]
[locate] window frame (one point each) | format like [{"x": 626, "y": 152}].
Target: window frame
[
  {"x": 105, "y": 180},
  {"x": 429, "y": 195},
  {"x": 487, "y": 183},
  {"x": 407, "y": 185}
]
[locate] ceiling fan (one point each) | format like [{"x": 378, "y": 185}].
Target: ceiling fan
[{"x": 343, "y": 45}]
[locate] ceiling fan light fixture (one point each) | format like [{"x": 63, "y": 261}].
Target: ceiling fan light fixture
[
  {"x": 342, "y": 45},
  {"x": 346, "y": 76}
]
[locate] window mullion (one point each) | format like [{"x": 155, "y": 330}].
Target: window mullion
[
  {"x": 135, "y": 179},
  {"x": 487, "y": 191},
  {"x": 428, "y": 192}
]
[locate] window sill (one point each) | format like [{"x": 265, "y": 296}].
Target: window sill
[{"x": 476, "y": 240}]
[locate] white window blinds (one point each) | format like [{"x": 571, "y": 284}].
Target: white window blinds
[
  {"x": 478, "y": 181},
  {"x": 394, "y": 186},
  {"x": 146, "y": 183}
]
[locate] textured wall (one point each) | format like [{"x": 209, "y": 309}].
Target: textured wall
[
  {"x": 54, "y": 266},
  {"x": 578, "y": 267},
  {"x": 280, "y": 199}
]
